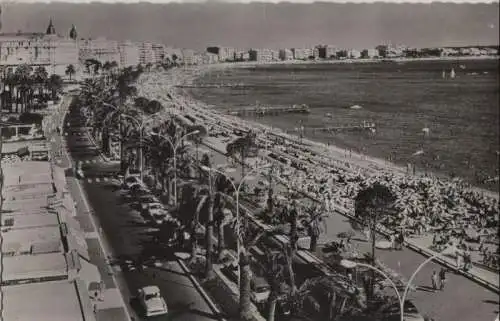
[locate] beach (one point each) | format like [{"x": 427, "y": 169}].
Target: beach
[
  {"x": 401, "y": 99},
  {"x": 189, "y": 76}
]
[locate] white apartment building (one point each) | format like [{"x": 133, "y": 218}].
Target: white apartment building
[
  {"x": 189, "y": 57},
  {"x": 158, "y": 52},
  {"x": 146, "y": 54},
  {"x": 286, "y": 54},
  {"x": 302, "y": 53},
  {"x": 354, "y": 54},
  {"x": 373, "y": 53},
  {"x": 129, "y": 54},
  {"x": 48, "y": 49},
  {"x": 263, "y": 55}
]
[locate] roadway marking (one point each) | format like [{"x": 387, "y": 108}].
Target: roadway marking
[{"x": 97, "y": 180}]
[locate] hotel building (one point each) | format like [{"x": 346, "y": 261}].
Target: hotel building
[
  {"x": 48, "y": 49},
  {"x": 100, "y": 49},
  {"x": 129, "y": 54}
]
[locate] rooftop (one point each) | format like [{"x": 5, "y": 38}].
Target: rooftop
[
  {"x": 19, "y": 241},
  {"x": 33, "y": 268},
  {"x": 13, "y": 221},
  {"x": 55, "y": 301}
]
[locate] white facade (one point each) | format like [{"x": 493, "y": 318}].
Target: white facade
[
  {"x": 302, "y": 53},
  {"x": 373, "y": 53},
  {"x": 53, "y": 52},
  {"x": 101, "y": 49},
  {"x": 158, "y": 53},
  {"x": 146, "y": 54},
  {"x": 354, "y": 54},
  {"x": 129, "y": 54},
  {"x": 286, "y": 54}
]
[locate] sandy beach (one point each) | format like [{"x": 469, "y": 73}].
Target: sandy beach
[{"x": 187, "y": 76}]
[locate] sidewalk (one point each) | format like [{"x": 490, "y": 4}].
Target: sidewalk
[{"x": 112, "y": 306}]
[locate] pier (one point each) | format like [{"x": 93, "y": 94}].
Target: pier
[
  {"x": 269, "y": 110},
  {"x": 229, "y": 85},
  {"x": 333, "y": 129}
]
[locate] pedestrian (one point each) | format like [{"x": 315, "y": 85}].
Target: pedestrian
[
  {"x": 459, "y": 259},
  {"x": 442, "y": 279},
  {"x": 435, "y": 280},
  {"x": 392, "y": 239}
]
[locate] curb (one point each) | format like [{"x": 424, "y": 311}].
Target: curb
[
  {"x": 200, "y": 289},
  {"x": 94, "y": 224}
]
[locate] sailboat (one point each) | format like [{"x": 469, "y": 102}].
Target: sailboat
[{"x": 452, "y": 73}]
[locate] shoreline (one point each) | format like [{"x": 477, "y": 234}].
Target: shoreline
[{"x": 181, "y": 77}]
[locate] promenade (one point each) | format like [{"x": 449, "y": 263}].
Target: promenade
[{"x": 477, "y": 303}]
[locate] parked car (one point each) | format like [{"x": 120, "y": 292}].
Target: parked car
[
  {"x": 129, "y": 181},
  {"x": 231, "y": 270},
  {"x": 393, "y": 312},
  {"x": 145, "y": 200},
  {"x": 260, "y": 290},
  {"x": 152, "y": 301},
  {"x": 154, "y": 208}
]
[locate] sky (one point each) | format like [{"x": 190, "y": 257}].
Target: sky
[{"x": 265, "y": 25}]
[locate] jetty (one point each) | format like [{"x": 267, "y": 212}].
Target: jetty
[
  {"x": 221, "y": 85},
  {"x": 269, "y": 110},
  {"x": 332, "y": 129}
]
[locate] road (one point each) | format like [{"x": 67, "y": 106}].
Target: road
[
  {"x": 130, "y": 238},
  {"x": 462, "y": 299}
]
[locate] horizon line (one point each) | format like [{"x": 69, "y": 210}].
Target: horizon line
[{"x": 249, "y": 2}]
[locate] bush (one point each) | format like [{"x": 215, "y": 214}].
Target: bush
[{"x": 30, "y": 118}]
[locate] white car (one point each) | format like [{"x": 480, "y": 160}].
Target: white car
[
  {"x": 152, "y": 301},
  {"x": 129, "y": 181},
  {"x": 260, "y": 290},
  {"x": 155, "y": 208}
]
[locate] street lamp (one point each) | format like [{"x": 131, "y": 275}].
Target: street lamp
[
  {"x": 351, "y": 264},
  {"x": 174, "y": 148},
  {"x": 140, "y": 125},
  {"x": 237, "y": 191}
]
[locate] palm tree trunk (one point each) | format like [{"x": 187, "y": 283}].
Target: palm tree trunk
[
  {"x": 272, "y": 307},
  {"x": 372, "y": 235},
  {"x": 210, "y": 237},
  {"x": 220, "y": 238},
  {"x": 291, "y": 274},
  {"x": 245, "y": 289},
  {"x": 314, "y": 243}
]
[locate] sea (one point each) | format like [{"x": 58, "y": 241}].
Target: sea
[{"x": 440, "y": 116}]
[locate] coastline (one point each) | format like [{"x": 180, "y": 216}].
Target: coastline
[{"x": 187, "y": 76}]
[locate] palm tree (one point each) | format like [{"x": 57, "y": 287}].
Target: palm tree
[
  {"x": 371, "y": 203},
  {"x": 70, "y": 71},
  {"x": 41, "y": 75},
  {"x": 23, "y": 81},
  {"x": 247, "y": 239},
  {"x": 242, "y": 146},
  {"x": 212, "y": 197},
  {"x": 55, "y": 84},
  {"x": 343, "y": 297},
  {"x": 275, "y": 267}
]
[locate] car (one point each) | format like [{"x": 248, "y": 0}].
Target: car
[
  {"x": 154, "y": 208},
  {"x": 159, "y": 217},
  {"x": 145, "y": 200},
  {"x": 129, "y": 181},
  {"x": 260, "y": 290},
  {"x": 79, "y": 173},
  {"x": 393, "y": 312},
  {"x": 231, "y": 270},
  {"x": 151, "y": 301}
]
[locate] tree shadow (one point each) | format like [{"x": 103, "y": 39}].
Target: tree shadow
[
  {"x": 426, "y": 288},
  {"x": 491, "y": 302}
]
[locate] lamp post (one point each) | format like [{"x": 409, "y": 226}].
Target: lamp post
[
  {"x": 237, "y": 191},
  {"x": 401, "y": 299},
  {"x": 140, "y": 125},
  {"x": 174, "y": 148}
]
